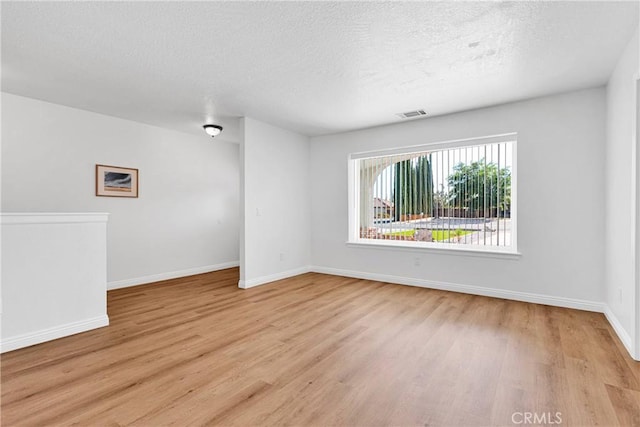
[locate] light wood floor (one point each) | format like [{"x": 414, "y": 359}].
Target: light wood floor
[{"x": 323, "y": 350}]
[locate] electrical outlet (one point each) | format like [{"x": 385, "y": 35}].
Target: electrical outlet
[
  {"x": 416, "y": 262},
  {"x": 620, "y": 295},
  {"x": 281, "y": 256},
  {"x": 258, "y": 212}
]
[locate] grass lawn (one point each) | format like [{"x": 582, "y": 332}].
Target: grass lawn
[
  {"x": 438, "y": 235},
  {"x": 446, "y": 234},
  {"x": 405, "y": 233}
]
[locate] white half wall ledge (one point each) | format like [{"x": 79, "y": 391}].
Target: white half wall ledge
[
  {"x": 145, "y": 280},
  {"x": 52, "y": 333},
  {"x": 16, "y": 218},
  {"x": 54, "y": 276}
]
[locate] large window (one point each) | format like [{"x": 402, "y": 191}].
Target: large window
[{"x": 452, "y": 195}]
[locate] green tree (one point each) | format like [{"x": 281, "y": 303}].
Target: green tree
[
  {"x": 413, "y": 187},
  {"x": 440, "y": 201},
  {"x": 479, "y": 186}
]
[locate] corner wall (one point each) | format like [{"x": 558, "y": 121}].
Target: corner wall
[
  {"x": 275, "y": 237},
  {"x": 620, "y": 194},
  {"x": 561, "y": 232},
  {"x": 186, "y": 218}
]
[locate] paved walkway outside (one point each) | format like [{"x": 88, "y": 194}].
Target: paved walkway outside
[{"x": 486, "y": 231}]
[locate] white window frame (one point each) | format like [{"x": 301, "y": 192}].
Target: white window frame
[{"x": 355, "y": 240}]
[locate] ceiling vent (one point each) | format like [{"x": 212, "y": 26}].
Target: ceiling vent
[{"x": 412, "y": 114}]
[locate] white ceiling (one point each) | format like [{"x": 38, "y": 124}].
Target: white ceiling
[{"x": 312, "y": 67}]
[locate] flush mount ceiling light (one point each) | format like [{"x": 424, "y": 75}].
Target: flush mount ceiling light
[{"x": 212, "y": 130}]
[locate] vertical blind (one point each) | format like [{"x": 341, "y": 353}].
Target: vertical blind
[{"x": 458, "y": 195}]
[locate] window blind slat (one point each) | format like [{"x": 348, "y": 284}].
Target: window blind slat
[{"x": 454, "y": 195}]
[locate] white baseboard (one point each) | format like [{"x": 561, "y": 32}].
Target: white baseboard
[
  {"x": 170, "y": 275},
  {"x": 574, "y": 303},
  {"x": 577, "y": 304},
  {"x": 246, "y": 284},
  {"x": 624, "y": 336},
  {"x": 37, "y": 337},
  {"x": 467, "y": 289}
]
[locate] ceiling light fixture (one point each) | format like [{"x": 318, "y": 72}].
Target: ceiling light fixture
[{"x": 213, "y": 130}]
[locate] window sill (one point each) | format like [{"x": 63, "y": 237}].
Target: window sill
[{"x": 441, "y": 248}]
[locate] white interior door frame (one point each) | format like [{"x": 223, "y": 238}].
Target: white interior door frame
[{"x": 635, "y": 197}]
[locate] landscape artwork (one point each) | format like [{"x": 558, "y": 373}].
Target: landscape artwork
[{"x": 114, "y": 181}]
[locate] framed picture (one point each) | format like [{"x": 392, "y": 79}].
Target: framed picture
[{"x": 114, "y": 181}]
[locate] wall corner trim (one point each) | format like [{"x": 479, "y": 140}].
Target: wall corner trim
[
  {"x": 60, "y": 331},
  {"x": 263, "y": 280},
  {"x": 135, "y": 281}
]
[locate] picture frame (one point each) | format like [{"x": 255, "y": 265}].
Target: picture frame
[{"x": 116, "y": 181}]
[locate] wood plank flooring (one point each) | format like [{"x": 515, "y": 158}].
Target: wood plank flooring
[{"x": 323, "y": 350}]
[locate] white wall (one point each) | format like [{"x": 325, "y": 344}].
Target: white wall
[
  {"x": 54, "y": 276},
  {"x": 619, "y": 263},
  {"x": 275, "y": 189},
  {"x": 560, "y": 197},
  {"x": 186, "y": 219}
]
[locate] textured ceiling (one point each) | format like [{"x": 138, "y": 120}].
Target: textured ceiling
[{"x": 312, "y": 67}]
